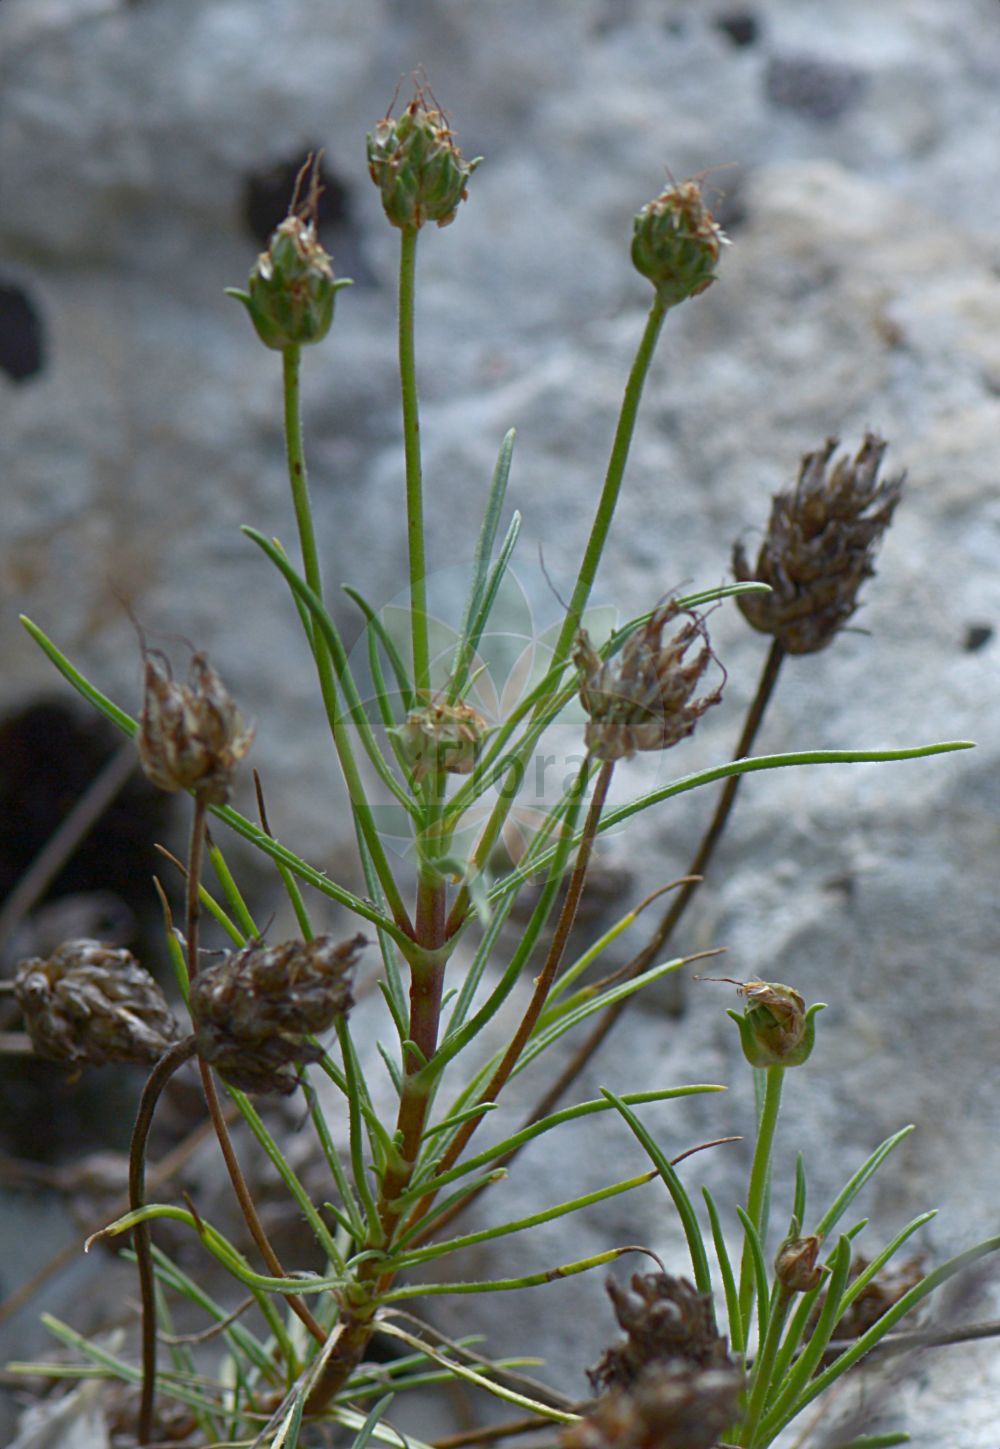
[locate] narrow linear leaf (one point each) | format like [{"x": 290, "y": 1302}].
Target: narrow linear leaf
[
  {"x": 864, "y": 1174},
  {"x": 735, "y": 1323},
  {"x": 683, "y": 1204},
  {"x": 481, "y": 562},
  {"x": 546, "y": 1124},
  {"x": 520, "y": 1225},
  {"x": 753, "y": 1242},
  {"x": 754, "y": 763}
]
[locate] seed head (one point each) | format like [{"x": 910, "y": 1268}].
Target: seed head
[
  {"x": 820, "y": 546},
  {"x": 664, "y": 1318},
  {"x": 191, "y": 736},
  {"x": 442, "y": 736},
  {"x": 676, "y": 243},
  {"x": 417, "y": 167},
  {"x": 93, "y": 1004},
  {"x": 254, "y": 1010},
  {"x": 672, "y": 1405},
  {"x": 292, "y": 289},
  {"x": 776, "y": 1030},
  {"x": 645, "y": 699}
]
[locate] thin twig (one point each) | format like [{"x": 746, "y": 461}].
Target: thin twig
[
  {"x": 490, "y": 1433},
  {"x": 158, "y": 1078}
]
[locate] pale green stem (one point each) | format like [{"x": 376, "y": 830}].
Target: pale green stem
[
  {"x": 411, "y": 446},
  {"x": 291, "y": 357},
  {"x": 612, "y": 481},
  {"x": 759, "y": 1175},
  {"x": 763, "y": 1369}
]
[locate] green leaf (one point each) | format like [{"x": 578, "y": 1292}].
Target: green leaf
[
  {"x": 375, "y": 624},
  {"x": 735, "y": 1322},
  {"x": 479, "y": 583},
  {"x": 751, "y": 1238},
  {"x": 760, "y": 762},
  {"x": 338, "y": 654},
  {"x": 683, "y": 1204},
  {"x": 545, "y": 1124},
  {"x": 519, "y": 1225}
]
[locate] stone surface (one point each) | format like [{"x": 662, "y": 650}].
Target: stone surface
[{"x": 861, "y": 290}]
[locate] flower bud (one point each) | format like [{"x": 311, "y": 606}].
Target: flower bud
[
  {"x": 819, "y": 547},
  {"x": 417, "y": 167},
  {"x": 90, "y": 1003},
  {"x": 254, "y": 1010},
  {"x": 776, "y": 1030},
  {"x": 442, "y": 737},
  {"x": 676, "y": 243},
  {"x": 795, "y": 1265},
  {"x": 644, "y": 699},
  {"x": 191, "y": 736},
  {"x": 292, "y": 289}
]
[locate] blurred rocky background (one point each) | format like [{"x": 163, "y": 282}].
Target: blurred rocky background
[{"x": 147, "y": 149}]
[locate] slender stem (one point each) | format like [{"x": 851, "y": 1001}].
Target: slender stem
[
  {"x": 192, "y": 894},
  {"x": 763, "y": 1366},
  {"x": 612, "y": 481},
  {"x": 680, "y": 902},
  {"x": 759, "y": 1177},
  {"x": 291, "y": 359},
  {"x": 298, "y": 479},
  {"x": 411, "y": 445},
  {"x": 158, "y": 1078},
  {"x": 246, "y": 1202}
]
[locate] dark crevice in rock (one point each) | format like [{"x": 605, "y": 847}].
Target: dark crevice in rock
[
  {"x": 822, "y": 91},
  {"x": 741, "y": 27},
  {"x": 22, "y": 351}
]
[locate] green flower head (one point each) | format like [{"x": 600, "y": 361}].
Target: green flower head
[
  {"x": 776, "y": 1030},
  {"x": 676, "y": 243},
  {"x": 417, "y": 167}
]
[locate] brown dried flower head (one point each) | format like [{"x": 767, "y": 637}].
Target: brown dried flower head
[
  {"x": 93, "y": 1004},
  {"x": 820, "y": 546},
  {"x": 664, "y": 1318},
  {"x": 672, "y": 1405},
  {"x": 442, "y": 737},
  {"x": 645, "y": 698},
  {"x": 254, "y": 1009},
  {"x": 191, "y": 736}
]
